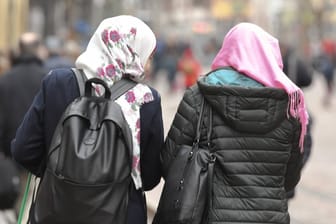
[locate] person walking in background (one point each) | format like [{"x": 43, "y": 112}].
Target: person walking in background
[
  {"x": 259, "y": 122},
  {"x": 302, "y": 75},
  {"x": 294, "y": 67},
  {"x": 325, "y": 63},
  {"x": 169, "y": 62},
  {"x": 18, "y": 87},
  {"x": 56, "y": 54},
  {"x": 190, "y": 67},
  {"x": 158, "y": 57},
  {"x": 120, "y": 47}
]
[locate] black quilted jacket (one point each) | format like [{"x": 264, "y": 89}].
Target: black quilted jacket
[{"x": 258, "y": 158}]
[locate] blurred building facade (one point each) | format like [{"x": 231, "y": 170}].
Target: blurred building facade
[
  {"x": 13, "y": 14},
  {"x": 76, "y": 19}
]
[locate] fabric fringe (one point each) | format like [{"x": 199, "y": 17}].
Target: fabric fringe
[{"x": 297, "y": 109}]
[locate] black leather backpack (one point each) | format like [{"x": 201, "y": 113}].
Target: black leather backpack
[{"x": 88, "y": 174}]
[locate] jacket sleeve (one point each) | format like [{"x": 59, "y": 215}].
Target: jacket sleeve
[
  {"x": 182, "y": 130},
  {"x": 28, "y": 146},
  {"x": 151, "y": 142},
  {"x": 295, "y": 163}
]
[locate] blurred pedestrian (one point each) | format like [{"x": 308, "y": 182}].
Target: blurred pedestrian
[
  {"x": 301, "y": 74},
  {"x": 259, "y": 123},
  {"x": 56, "y": 54},
  {"x": 209, "y": 50},
  {"x": 18, "y": 87},
  {"x": 158, "y": 57},
  {"x": 120, "y": 47},
  {"x": 72, "y": 50},
  {"x": 169, "y": 62},
  {"x": 211, "y": 47},
  {"x": 190, "y": 67},
  {"x": 325, "y": 63}
]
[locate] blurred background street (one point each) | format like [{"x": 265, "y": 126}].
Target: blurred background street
[
  {"x": 307, "y": 28},
  {"x": 202, "y": 23}
]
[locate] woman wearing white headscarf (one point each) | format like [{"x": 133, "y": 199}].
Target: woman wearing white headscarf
[{"x": 120, "y": 47}]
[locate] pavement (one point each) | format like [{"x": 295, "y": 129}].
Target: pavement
[{"x": 315, "y": 198}]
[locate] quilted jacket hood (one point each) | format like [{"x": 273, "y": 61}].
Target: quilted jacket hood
[{"x": 247, "y": 109}]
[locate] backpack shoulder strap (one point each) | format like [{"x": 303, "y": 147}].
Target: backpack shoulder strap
[
  {"x": 81, "y": 78},
  {"x": 118, "y": 89},
  {"x": 121, "y": 87}
]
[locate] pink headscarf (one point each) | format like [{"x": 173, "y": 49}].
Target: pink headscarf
[{"x": 252, "y": 51}]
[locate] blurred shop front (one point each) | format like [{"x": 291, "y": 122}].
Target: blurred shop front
[
  {"x": 76, "y": 19},
  {"x": 67, "y": 19},
  {"x": 13, "y": 14},
  {"x": 194, "y": 20}
]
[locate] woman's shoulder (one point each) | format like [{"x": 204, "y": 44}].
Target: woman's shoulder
[
  {"x": 59, "y": 75},
  {"x": 156, "y": 94},
  {"x": 60, "y": 83},
  {"x": 62, "y": 77},
  {"x": 150, "y": 94},
  {"x": 153, "y": 105}
]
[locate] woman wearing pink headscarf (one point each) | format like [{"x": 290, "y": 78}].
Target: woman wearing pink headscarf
[{"x": 258, "y": 126}]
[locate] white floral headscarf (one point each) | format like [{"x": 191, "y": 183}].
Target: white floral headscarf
[{"x": 121, "y": 46}]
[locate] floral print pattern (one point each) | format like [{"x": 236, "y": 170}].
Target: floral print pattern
[
  {"x": 130, "y": 97},
  {"x": 110, "y": 70},
  {"x": 115, "y": 51},
  {"x": 130, "y": 103},
  {"x": 105, "y": 36},
  {"x": 100, "y": 72},
  {"x": 148, "y": 97},
  {"x": 120, "y": 63},
  {"x": 115, "y": 36}
]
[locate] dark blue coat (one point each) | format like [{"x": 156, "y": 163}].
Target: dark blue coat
[
  {"x": 34, "y": 135},
  {"x": 17, "y": 90}
]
